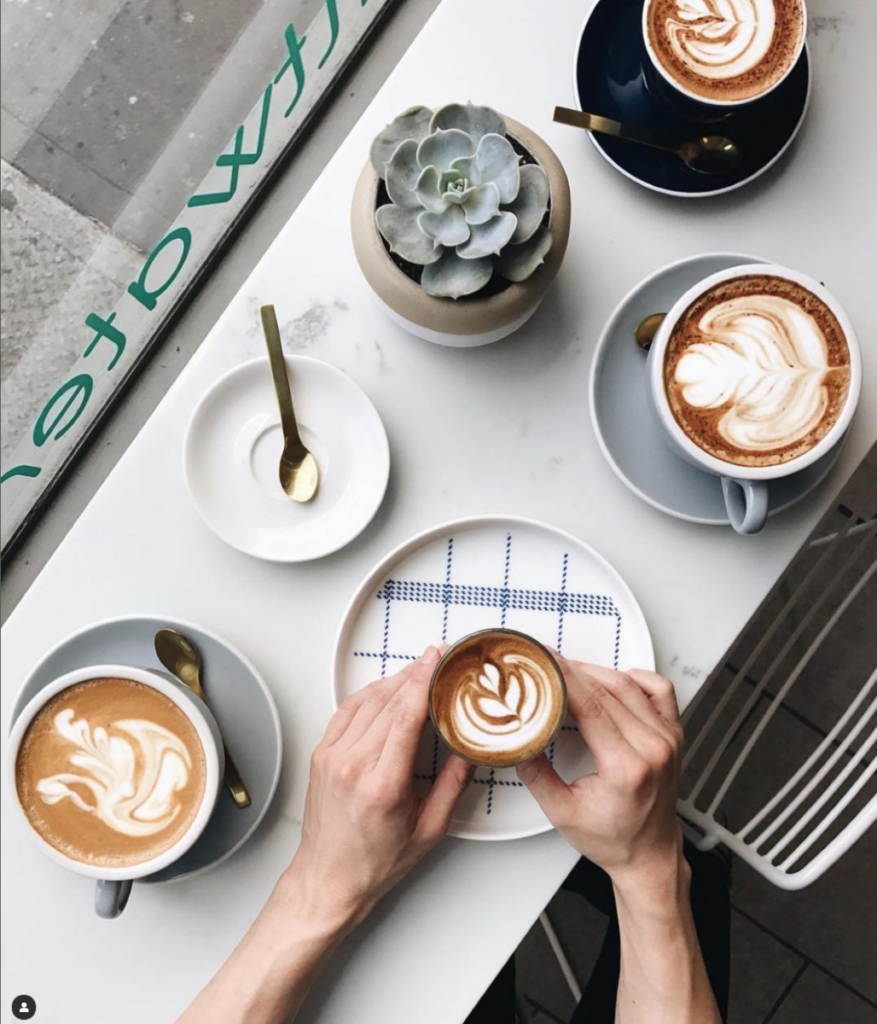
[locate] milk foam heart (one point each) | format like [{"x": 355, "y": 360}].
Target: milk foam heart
[
  {"x": 726, "y": 49},
  {"x": 757, "y": 370},
  {"x": 497, "y": 698}
]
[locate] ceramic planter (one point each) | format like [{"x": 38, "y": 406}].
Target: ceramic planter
[{"x": 471, "y": 320}]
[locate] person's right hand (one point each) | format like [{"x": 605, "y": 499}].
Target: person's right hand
[{"x": 622, "y": 817}]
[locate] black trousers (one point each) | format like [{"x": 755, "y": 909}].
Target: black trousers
[{"x": 711, "y": 905}]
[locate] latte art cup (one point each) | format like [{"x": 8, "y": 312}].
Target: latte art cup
[
  {"x": 536, "y": 720},
  {"x": 746, "y": 488},
  {"x": 686, "y": 103},
  {"x": 113, "y": 885}
]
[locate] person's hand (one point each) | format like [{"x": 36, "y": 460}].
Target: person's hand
[
  {"x": 623, "y": 817},
  {"x": 364, "y": 827}
]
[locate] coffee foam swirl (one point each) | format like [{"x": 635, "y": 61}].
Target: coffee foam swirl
[
  {"x": 721, "y": 39},
  {"x": 127, "y": 778},
  {"x": 505, "y": 707},
  {"x": 765, "y": 360},
  {"x": 497, "y": 698}
]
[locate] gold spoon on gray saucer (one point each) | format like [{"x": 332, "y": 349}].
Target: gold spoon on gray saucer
[
  {"x": 707, "y": 154},
  {"x": 299, "y": 474},
  {"x": 647, "y": 328},
  {"x": 179, "y": 655}
]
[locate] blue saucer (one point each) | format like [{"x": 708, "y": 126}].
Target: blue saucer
[{"x": 608, "y": 79}]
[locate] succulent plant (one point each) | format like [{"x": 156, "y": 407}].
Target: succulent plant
[{"x": 462, "y": 205}]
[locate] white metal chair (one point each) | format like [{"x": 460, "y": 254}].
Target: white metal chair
[{"x": 811, "y": 820}]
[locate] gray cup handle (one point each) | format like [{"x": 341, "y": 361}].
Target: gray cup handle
[
  {"x": 111, "y": 898},
  {"x": 746, "y": 504}
]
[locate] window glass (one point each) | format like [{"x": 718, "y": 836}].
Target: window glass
[{"x": 134, "y": 133}]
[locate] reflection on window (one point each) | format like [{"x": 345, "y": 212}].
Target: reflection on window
[{"x": 133, "y": 134}]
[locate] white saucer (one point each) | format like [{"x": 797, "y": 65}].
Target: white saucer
[
  {"x": 477, "y": 573},
  {"x": 631, "y": 439},
  {"x": 232, "y": 451}
]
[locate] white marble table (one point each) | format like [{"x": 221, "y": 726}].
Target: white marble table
[{"x": 462, "y": 424}]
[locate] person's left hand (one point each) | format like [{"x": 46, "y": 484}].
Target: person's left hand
[{"x": 364, "y": 827}]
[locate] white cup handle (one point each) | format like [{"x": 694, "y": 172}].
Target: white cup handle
[{"x": 746, "y": 503}]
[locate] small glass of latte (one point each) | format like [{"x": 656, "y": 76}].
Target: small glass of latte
[
  {"x": 497, "y": 698},
  {"x": 707, "y": 59}
]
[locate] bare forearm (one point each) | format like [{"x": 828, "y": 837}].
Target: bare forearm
[
  {"x": 267, "y": 977},
  {"x": 663, "y": 979}
]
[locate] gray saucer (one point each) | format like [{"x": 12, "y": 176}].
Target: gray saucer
[
  {"x": 238, "y": 696},
  {"x": 628, "y": 433}
]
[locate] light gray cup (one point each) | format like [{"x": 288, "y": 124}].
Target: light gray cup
[
  {"x": 746, "y": 488},
  {"x": 113, "y": 885}
]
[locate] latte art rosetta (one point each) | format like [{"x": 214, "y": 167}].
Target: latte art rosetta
[
  {"x": 763, "y": 359},
  {"x": 505, "y": 705},
  {"x": 721, "y": 39},
  {"x": 127, "y": 778}
]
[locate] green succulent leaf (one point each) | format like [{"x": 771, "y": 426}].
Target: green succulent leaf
[
  {"x": 441, "y": 148},
  {"x": 447, "y": 228},
  {"x": 402, "y": 174},
  {"x": 488, "y": 239},
  {"x": 402, "y": 232},
  {"x": 428, "y": 191},
  {"x": 451, "y": 277},
  {"x": 530, "y": 203},
  {"x": 458, "y": 192},
  {"x": 482, "y": 203},
  {"x": 476, "y": 122},
  {"x": 453, "y": 175},
  {"x": 517, "y": 262},
  {"x": 497, "y": 161},
  {"x": 412, "y": 123}
]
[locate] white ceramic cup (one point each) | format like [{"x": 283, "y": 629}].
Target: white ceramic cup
[
  {"x": 690, "y": 103},
  {"x": 746, "y": 487},
  {"x": 114, "y": 884}
]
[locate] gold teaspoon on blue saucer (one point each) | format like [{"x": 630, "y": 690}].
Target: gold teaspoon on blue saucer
[{"x": 706, "y": 154}]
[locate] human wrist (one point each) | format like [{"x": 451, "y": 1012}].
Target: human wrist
[
  {"x": 657, "y": 882},
  {"x": 313, "y": 907}
]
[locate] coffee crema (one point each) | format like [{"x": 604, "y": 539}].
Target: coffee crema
[
  {"x": 497, "y": 698},
  {"x": 757, "y": 370},
  {"x": 726, "y": 50},
  {"x": 110, "y": 772}
]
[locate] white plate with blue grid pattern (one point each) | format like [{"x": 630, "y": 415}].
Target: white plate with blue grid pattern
[{"x": 479, "y": 573}]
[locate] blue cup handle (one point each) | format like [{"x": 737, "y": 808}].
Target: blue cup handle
[
  {"x": 111, "y": 898},
  {"x": 746, "y": 504}
]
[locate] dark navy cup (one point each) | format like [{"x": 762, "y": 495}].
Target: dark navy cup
[{"x": 688, "y": 105}]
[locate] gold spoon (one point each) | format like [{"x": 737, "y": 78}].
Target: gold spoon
[
  {"x": 647, "y": 329},
  {"x": 178, "y": 655},
  {"x": 708, "y": 154},
  {"x": 299, "y": 474}
]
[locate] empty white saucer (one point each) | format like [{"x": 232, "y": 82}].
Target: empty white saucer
[{"x": 231, "y": 455}]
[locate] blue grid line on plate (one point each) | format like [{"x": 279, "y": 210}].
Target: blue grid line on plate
[
  {"x": 562, "y": 609},
  {"x": 388, "y": 656},
  {"x": 388, "y": 591},
  {"x": 446, "y": 589},
  {"x": 519, "y": 599},
  {"x": 505, "y": 580},
  {"x": 503, "y": 598}
]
